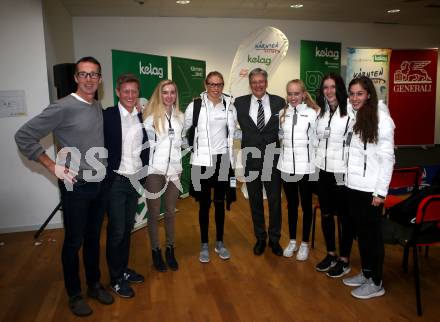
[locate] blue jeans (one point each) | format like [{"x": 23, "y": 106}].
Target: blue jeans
[
  {"x": 82, "y": 216},
  {"x": 122, "y": 204}
]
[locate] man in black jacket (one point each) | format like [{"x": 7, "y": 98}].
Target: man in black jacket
[
  {"x": 258, "y": 116},
  {"x": 124, "y": 136}
]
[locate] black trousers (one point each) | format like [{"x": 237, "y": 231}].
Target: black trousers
[
  {"x": 122, "y": 204},
  {"x": 273, "y": 191},
  {"x": 366, "y": 220},
  {"x": 291, "y": 189},
  {"x": 83, "y": 212},
  {"x": 333, "y": 201},
  {"x": 205, "y": 199}
]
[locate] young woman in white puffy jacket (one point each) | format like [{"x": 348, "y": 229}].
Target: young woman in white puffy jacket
[
  {"x": 163, "y": 122},
  {"x": 212, "y": 157},
  {"x": 331, "y": 128},
  {"x": 370, "y": 162},
  {"x": 296, "y": 162}
]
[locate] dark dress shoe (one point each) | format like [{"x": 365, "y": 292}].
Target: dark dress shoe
[
  {"x": 78, "y": 306},
  {"x": 276, "y": 248},
  {"x": 171, "y": 258},
  {"x": 98, "y": 292},
  {"x": 158, "y": 262},
  {"x": 259, "y": 247}
]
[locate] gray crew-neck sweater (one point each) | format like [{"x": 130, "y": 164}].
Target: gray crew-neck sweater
[{"x": 73, "y": 123}]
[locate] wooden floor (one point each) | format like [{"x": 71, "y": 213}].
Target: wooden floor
[{"x": 244, "y": 288}]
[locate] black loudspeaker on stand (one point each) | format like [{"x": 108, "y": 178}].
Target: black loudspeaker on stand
[{"x": 64, "y": 81}]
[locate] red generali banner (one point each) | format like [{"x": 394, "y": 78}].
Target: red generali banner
[{"x": 413, "y": 75}]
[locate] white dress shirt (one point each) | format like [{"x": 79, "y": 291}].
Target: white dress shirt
[
  {"x": 131, "y": 141},
  {"x": 253, "y": 111}
]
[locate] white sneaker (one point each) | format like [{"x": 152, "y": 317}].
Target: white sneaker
[
  {"x": 290, "y": 249},
  {"x": 368, "y": 290},
  {"x": 303, "y": 252}
]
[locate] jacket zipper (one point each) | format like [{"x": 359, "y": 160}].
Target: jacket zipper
[
  {"x": 293, "y": 144},
  {"x": 343, "y": 142},
  {"x": 365, "y": 158},
  {"x": 207, "y": 132},
  {"x": 171, "y": 141},
  {"x": 326, "y": 140},
  {"x": 308, "y": 138},
  {"x": 154, "y": 147}
]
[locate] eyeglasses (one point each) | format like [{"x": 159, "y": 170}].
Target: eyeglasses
[
  {"x": 212, "y": 85},
  {"x": 92, "y": 75}
]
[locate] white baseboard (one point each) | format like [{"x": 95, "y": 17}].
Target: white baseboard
[{"x": 15, "y": 229}]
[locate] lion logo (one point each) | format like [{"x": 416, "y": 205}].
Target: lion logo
[{"x": 412, "y": 72}]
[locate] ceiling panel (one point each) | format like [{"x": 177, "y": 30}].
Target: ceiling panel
[{"x": 413, "y": 12}]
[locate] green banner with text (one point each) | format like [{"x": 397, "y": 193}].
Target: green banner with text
[
  {"x": 150, "y": 69},
  {"x": 189, "y": 75},
  {"x": 317, "y": 59}
]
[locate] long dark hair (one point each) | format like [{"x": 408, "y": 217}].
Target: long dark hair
[
  {"x": 341, "y": 94},
  {"x": 367, "y": 119}
]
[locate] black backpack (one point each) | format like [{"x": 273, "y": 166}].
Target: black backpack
[{"x": 197, "y": 105}]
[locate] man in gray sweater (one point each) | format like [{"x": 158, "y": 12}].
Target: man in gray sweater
[{"x": 77, "y": 124}]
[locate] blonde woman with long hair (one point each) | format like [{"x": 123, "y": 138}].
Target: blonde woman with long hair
[
  {"x": 296, "y": 162},
  {"x": 163, "y": 122}
]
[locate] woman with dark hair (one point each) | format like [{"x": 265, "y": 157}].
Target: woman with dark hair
[
  {"x": 212, "y": 156},
  {"x": 370, "y": 161},
  {"x": 331, "y": 128}
]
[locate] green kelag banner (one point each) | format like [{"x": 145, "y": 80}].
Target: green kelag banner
[
  {"x": 150, "y": 69},
  {"x": 189, "y": 75},
  {"x": 317, "y": 59}
]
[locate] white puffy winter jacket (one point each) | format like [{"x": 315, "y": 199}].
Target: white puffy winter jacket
[
  {"x": 202, "y": 155},
  {"x": 297, "y": 155},
  {"x": 370, "y": 166},
  {"x": 330, "y": 152},
  {"x": 165, "y": 152}
]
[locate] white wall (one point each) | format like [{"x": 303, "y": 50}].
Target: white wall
[
  {"x": 58, "y": 36},
  {"x": 216, "y": 40},
  {"x": 27, "y": 193}
]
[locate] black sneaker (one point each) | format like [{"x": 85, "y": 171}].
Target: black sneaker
[
  {"x": 132, "y": 277},
  {"x": 100, "y": 293},
  {"x": 79, "y": 306},
  {"x": 121, "y": 288},
  {"x": 328, "y": 262},
  {"x": 340, "y": 269}
]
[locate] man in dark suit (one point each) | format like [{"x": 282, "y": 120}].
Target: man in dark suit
[
  {"x": 124, "y": 136},
  {"x": 258, "y": 116}
]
